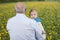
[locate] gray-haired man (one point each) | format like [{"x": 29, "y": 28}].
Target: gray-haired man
[{"x": 22, "y": 28}]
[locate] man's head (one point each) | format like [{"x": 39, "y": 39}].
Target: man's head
[{"x": 20, "y": 7}]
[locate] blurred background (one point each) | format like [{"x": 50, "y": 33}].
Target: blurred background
[
  {"x": 25, "y": 0},
  {"x": 48, "y": 11}
]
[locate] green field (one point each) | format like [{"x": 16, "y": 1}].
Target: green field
[{"x": 49, "y": 12}]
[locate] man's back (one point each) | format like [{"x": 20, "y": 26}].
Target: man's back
[{"x": 22, "y": 28}]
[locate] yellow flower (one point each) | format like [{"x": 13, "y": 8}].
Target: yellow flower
[
  {"x": 2, "y": 26},
  {"x": 0, "y": 38},
  {"x": 0, "y": 34}
]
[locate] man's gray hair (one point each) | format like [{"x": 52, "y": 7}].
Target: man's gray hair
[{"x": 21, "y": 9}]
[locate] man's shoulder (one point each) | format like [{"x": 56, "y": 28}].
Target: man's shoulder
[
  {"x": 32, "y": 20},
  {"x": 11, "y": 19}
]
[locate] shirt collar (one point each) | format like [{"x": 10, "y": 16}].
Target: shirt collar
[{"x": 20, "y": 14}]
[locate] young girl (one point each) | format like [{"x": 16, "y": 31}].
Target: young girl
[{"x": 33, "y": 15}]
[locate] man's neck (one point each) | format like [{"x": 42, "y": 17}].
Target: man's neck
[{"x": 20, "y": 13}]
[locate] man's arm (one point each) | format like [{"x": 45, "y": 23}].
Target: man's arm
[
  {"x": 43, "y": 31},
  {"x": 42, "y": 27},
  {"x": 38, "y": 31}
]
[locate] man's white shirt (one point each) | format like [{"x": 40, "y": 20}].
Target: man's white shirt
[{"x": 22, "y": 28}]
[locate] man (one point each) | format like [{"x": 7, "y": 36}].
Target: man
[{"x": 22, "y": 28}]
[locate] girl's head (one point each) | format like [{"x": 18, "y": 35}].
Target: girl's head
[{"x": 33, "y": 14}]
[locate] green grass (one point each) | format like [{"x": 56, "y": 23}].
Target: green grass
[{"x": 49, "y": 12}]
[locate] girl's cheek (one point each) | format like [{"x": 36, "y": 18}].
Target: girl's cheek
[{"x": 35, "y": 16}]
